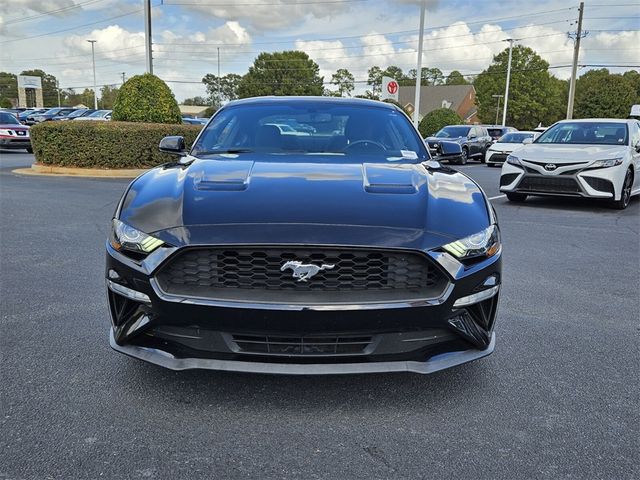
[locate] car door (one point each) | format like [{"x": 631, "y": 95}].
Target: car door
[
  {"x": 473, "y": 141},
  {"x": 634, "y": 134}
]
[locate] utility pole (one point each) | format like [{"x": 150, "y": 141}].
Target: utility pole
[
  {"x": 147, "y": 35},
  {"x": 416, "y": 100},
  {"x": 499, "y": 97},
  {"x": 219, "y": 79},
  {"x": 123, "y": 77},
  {"x": 574, "y": 66},
  {"x": 506, "y": 89},
  {"x": 58, "y": 89},
  {"x": 95, "y": 85}
]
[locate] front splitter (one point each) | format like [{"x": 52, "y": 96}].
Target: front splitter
[{"x": 434, "y": 364}]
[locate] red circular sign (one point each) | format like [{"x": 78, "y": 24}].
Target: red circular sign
[{"x": 392, "y": 87}]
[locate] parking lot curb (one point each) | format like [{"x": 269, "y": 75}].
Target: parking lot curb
[{"x": 53, "y": 171}]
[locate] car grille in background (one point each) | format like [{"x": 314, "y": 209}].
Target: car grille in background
[
  {"x": 498, "y": 157},
  {"x": 302, "y": 346},
  {"x": 508, "y": 178},
  {"x": 549, "y": 184},
  {"x": 600, "y": 184},
  {"x": 253, "y": 274}
]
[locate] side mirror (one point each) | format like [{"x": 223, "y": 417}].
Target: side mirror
[
  {"x": 173, "y": 145},
  {"x": 448, "y": 151},
  {"x": 472, "y": 137},
  {"x": 527, "y": 141}
]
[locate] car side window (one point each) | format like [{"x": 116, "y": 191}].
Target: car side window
[{"x": 635, "y": 134}]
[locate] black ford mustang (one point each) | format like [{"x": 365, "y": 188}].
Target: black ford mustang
[{"x": 304, "y": 236}]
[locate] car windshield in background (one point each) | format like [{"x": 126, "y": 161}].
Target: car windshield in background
[
  {"x": 380, "y": 133},
  {"x": 77, "y": 113},
  {"x": 496, "y": 132},
  {"x": 515, "y": 137},
  {"x": 586, "y": 133},
  {"x": 8, "y": 119},
  {"x": 453, "y": 132},
  {"x": 99, "y": 113}
]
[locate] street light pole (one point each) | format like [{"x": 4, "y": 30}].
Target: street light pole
[
  {"x": 498, "y": 107},
  {"x": 506, "y": 89},
  {"x": 416, "y": 100},
  {"x": 574, "y": 65},
  {"x": 123, "y": 76},
  {"x": 95, "y": 85},
  {"x": 147, "y": 36}
]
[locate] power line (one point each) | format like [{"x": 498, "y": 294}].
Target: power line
[{"x": 50, "y": 12}]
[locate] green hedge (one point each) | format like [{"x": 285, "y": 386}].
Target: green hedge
[
  {"x": 146, "y": 98},
  {"x": 105, "y": 144}
]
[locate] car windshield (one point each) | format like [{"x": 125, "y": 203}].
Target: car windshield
[
  {"x": 515, "y": 137},
  {"x": 99, "y": 113},
  {"x": 586, "y": 133},
  {"x": 77, "y": 113},
  {"x": 453, "y": 132},
  {"x": 496, "y": 132},
  {"x": 344, "y": 130},
  {"x": 52, "y": 111},
  {"x": 8, "y": 119}
]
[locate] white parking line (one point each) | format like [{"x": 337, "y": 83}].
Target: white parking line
[{"x": 497, "y": 197}]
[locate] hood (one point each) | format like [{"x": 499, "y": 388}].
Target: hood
[
  {"x": 559, "y": 154},
  {"x": 506, "y": 147},
  {"x": 13, "y": 126},
  {"x": 254, "y": 198},
  {"x": 439, "y": 139}
]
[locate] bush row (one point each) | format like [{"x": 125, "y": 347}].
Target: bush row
[{"x": 105, "y": 144}]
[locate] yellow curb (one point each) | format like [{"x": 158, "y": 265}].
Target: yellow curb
[{"x": 53, "y": 171}]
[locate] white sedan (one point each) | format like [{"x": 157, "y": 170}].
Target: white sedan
[
  {"x": 498, "y": 152},
  {"x": 595, "y": 158}
]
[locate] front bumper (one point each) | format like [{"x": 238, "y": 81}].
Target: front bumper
[
  {"x": 571, "y": 181},
  {"x": 15, "y": 142},
  {"x": 414, "y": 336}
]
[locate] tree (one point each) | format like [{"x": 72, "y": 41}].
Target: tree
[
  {"x": 222, "y": 89},
  {"x": 344, "y": 80},
  {"x": 281, "y": 73},
  {"x": 197, "y": 101},
  {"x": 5, "y": 102},
  {"x": 535, "y": 96},
  {"x": 602, "y": 94},
  {"x": 49, "y": 85},
  {"x": 8, "y": 85},
  {"x": 634, "y": 77},
  {"x": 374, "y": 80},
  {"x": 456, "y": 78},
  {"x": 108, "y": 95},
  {"x": 430, "y": 76},
  {"x": 146, "y": 98},
  {"x": 436, "y": 119}
]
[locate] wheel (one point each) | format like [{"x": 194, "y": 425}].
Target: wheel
[
  {"x": 30, "y": 150},
  {"x": 625, "y": 195},
  {"x": 490, "y": 164},
  {"x": 483, "y": 156},
  {"x": 464, "y": 156},
  {"x": 517, "y": 197}
]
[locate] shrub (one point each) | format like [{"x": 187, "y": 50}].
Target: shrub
[
  {"x": 436, "y": 119},
  {"x": 146, "y": 98},
  {"x": 5, "y": 103},
  {"x": 105, "y": 144}
]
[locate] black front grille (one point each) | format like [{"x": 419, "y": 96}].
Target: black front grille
[
  {"x": 600, "y": 184},
  {"x": 498, "y": 157},
  {"x": 541, "y": 183},
  {"x": 508, "y": 178},
  {"x": 256, "y": 274},
  {"x": 302, "y": 346}
]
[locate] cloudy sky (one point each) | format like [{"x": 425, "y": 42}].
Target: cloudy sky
[{"x": 353, "y": 34}]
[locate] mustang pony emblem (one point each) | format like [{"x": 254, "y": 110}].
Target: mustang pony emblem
[{"x": 304, "y": 271}]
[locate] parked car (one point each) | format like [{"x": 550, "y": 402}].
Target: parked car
[
  {"x": 194, "y": 121},
  {"x": 22, "y": 116},
  {"x": 508, "y": 143},
  {"x": 595, "y": 158},
  {"x": 78, "y": 113},
  {"x": 474, "y": 140},
  {"x": 497, "y": 131},
  {"x": 13, "y": 135},
  {"x": 96, "y": 116},
  {"x": 49, "y": 115},
  {"x": 318, "y": 254}
]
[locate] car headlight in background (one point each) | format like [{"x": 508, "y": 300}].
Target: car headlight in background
[
  {"x": 513, "y": 160},
  {"x": 610, "y": 162},
  {"x": 5, "y": 132},
  {"x": 482, "y": 244},
  {"x": 126, "y": 237}
]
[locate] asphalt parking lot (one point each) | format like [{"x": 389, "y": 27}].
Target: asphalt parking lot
[{"x": 558, "y": 398}]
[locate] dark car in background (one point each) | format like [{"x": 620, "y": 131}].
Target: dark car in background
[
  {"x": 78, "y": 113},
  {"x": 346, "y": 250},
  {"x": 13, "y": 135},
  {"x": 49, "y": 115},
  {"x": 22, "y": 116},
  {"x": 473, "y": 139},
  {"x": 497, "y": 131}
]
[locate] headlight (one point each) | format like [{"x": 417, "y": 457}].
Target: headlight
[
  {"x": 611, "y": 162},
  {"x": 125, "y": 237},
  {"x": 5, "y": 132},
  {"x": 513, "y": 160},
  {"x": 485, "y": 243}
]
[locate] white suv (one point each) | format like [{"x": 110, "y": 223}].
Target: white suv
[{"x": 596, "y": 158}]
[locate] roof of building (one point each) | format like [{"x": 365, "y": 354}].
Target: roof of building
[{"x": 433, "y": 97}]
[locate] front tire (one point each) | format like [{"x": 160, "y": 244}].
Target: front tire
[
  {"x": 517, "y": 197},
  {"x": 464, "y": 156},
  {"x": 625, "y": 195},
  {"x": 29, "y": 150}
]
